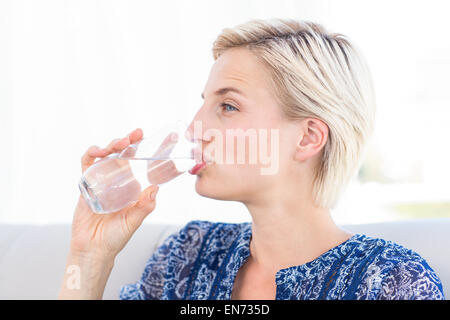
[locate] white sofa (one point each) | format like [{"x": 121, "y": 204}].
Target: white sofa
[{"x": 32, "y": 258}]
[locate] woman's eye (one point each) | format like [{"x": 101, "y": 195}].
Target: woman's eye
[{"x": 228, "y": 107}]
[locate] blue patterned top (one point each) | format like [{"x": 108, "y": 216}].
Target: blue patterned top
[{"x": 201, "y": 260}]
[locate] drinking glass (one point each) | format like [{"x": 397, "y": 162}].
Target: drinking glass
[{"x": 116, "y": 181}]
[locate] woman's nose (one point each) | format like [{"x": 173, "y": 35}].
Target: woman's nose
[{"x": 195, "y": 131}]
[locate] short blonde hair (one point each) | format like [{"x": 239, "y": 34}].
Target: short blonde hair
[{"x": 315, "y": 74}]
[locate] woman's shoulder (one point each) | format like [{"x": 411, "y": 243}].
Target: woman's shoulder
[
  {"x": 394, "y": 271},
  {"x": 384, "y": 250},
  {"x": 387, "y": 253}
]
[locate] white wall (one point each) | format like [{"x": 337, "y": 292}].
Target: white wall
[{"x": 77, "y": 73}]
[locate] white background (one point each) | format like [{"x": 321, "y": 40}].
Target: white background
[{"x": 78, "y": 73}]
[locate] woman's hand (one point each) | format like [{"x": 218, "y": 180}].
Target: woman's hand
[
  {"x": 105, "y": 235},
  {"x": 98, "y": 238}
]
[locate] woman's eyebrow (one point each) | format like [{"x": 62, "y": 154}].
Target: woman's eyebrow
[{"x": 223, "y": 91}]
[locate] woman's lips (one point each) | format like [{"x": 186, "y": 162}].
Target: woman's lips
[
  {"x": 202, "y": 159},
  {"x": 197, "y": 168}
]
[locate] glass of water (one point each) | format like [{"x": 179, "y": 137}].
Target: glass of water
[{"x": 117, "y": 180}]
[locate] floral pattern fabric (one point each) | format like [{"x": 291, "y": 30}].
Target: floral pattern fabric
[{"x": 201, "y": 261}]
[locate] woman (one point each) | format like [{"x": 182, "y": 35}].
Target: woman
[{"x": 314, "y": 90}]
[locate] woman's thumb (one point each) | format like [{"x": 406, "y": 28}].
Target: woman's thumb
[{"x": 143, "y": 207}]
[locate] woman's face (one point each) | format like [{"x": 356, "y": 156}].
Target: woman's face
[{"x": 241, "y": 126}]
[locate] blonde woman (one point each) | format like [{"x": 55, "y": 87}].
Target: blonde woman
[{"x": 313, "y": 90}]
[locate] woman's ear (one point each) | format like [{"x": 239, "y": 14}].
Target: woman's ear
[{"x": 312, "y": 138}]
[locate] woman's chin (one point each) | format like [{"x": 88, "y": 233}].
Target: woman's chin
[
  {"x": 209, "y": 189},
  {"x": 202, "y": 188}
]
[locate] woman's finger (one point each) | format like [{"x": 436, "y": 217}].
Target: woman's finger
[
  {"x": 94, "y": 152},
  {"x": 118, "y": 145},
  {"x": 115, "y": 145},
  {"x": 167, "y": 145},
  {"x": 146, "y": 203},
  {"x": 136, "y": 135},
  {"x": 90, "y": 155}
]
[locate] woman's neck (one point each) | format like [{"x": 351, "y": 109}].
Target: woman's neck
[{"x": 289, "y": 230}]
